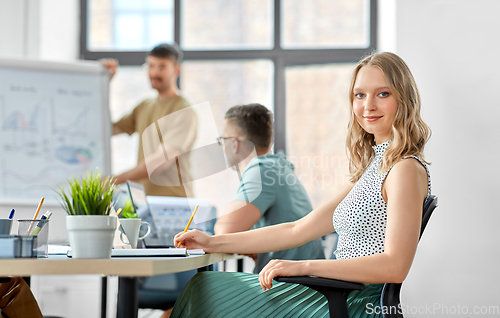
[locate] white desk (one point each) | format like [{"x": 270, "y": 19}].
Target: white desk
[{"x": 128, "y": 269}]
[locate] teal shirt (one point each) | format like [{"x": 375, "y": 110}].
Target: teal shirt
[{"x": 270, "y": 184}]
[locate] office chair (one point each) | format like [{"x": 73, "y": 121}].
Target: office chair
[
  {"x": 161, "y": 292},
  {"x": 337, "y": 291}
]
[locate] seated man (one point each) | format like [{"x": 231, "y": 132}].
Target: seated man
[{"x": 269, "y": 191}]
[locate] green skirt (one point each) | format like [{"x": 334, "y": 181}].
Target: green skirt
[{"x": 220, "y": 294}]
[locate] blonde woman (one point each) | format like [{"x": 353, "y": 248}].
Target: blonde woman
[{"x": 377, "y": 216}]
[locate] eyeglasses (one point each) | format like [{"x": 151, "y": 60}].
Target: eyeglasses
[
  {"x": 160, "y": 68},
  {"x": 221, "y": 139}
]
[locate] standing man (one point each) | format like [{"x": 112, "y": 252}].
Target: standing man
[
  {"x": 269, "y": 193},
  {"x": 159, "y": 150}
]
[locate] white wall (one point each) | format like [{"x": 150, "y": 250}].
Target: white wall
[
  {"x": 59, "y": 29},
  {"x": 39, "y": 29},
  {"x": 452, "y": 47},
  {"x": 12, "y": 28}
]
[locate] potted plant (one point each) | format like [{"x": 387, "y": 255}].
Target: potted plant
[
  {"x": 90, "y": 227},
  {"x": 128, "y": 211}
]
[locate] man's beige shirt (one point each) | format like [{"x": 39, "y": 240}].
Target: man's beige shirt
[{"x": 179, "y": 133}]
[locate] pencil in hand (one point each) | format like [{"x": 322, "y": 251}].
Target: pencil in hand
[{"x": 190, "y": 220}]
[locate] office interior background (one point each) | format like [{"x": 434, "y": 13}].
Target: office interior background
[{"x": 450, "y": 46}]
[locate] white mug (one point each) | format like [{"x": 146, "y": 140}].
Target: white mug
[{"x": 130, "y": 227}]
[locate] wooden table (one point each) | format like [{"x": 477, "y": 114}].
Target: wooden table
[{"x": 128, "y": 269}]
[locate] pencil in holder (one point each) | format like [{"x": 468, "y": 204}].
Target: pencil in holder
[{"x": 38, "y": 229}]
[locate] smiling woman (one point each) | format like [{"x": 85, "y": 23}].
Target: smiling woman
[
  {"x": 377, "y": 216},
  {"x": 373, "y": 104},
  {"x": 390, "y": 81}
]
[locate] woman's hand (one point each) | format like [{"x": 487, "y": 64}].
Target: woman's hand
[
  {"x": 278, "y": 267},
  {"x": 193, "y": 239}
]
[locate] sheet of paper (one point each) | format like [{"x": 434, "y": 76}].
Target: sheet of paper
[{"x": 58, "y": 249}]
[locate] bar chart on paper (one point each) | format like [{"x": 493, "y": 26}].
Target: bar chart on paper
[{"x": 53, "y": 126}]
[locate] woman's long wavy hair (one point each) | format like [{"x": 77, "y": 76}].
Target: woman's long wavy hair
[{"x": 410, "y": 132}]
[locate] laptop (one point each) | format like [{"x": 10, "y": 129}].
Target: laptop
[
  {"x": 138, "y": 196},
  {"x": 168, "y": 216}
]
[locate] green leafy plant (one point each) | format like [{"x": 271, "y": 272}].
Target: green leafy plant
[
  {"x": 88, "y": 195},
  {"x": 128, "y": 210}
]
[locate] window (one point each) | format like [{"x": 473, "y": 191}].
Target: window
[
  {"x": 325, "y": 24},
  {"x": 129, "y": 25},
  {"x": 317, "y": 117},
  {"x": 226, "y": 24},
  {"x": 293, "y": 56},
  {"x": 224, "y": 84}
]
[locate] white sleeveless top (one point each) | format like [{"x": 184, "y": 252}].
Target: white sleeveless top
[{"x": 360, "y": 219}]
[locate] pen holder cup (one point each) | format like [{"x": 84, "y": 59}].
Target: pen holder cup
[
  {"x": 5, "y": 226},
  {"x": 38, "y": 228}
]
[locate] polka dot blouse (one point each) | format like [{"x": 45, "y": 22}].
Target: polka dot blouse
[{"x": 360, "y": 219}]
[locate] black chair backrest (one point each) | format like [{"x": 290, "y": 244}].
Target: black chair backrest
[
  {"x": 389, "y": 299},
  {"x": 429, "y": 205}
]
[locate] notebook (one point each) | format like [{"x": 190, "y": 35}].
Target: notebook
[
  {"x": 156, "y": 252},
  {"x": 149, "y": 252},
  {"x": 152, "y": 252}
]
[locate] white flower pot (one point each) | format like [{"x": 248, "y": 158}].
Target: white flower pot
[{"x": 91, "y": 236}]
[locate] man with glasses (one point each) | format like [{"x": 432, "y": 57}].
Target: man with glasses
[
  {"x": 269, "y": 192},
  {"x": 163, "y": 66}
]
